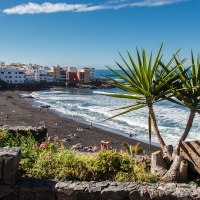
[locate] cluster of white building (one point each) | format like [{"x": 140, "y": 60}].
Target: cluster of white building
[{"x": 17, "y": 73}]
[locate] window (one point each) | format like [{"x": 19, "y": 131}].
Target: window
[
  {"x": 5, "y": 76},
  {"x": 15, "y": 72},
  {"x": 9, "y": 72},
  {"x": 10, "y": 76},
  {"x": 15, "y": 81},
  {"x": 15, "y": 76},
  {"x": 19, "y": 76},
  {"x": 2, "y": 72},
  {"x": 21, "y": 72}
]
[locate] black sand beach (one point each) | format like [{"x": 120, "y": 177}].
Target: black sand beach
[{"x": 15, "y": 111}]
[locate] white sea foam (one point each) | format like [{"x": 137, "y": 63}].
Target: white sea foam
[{"x": 100, "y": 92}]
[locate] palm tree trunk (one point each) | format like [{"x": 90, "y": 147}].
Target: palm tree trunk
[
  {"x": 154, "y": 123},
  {"x": 185, "y": 134},
  {"x": 149, "y": 130}
]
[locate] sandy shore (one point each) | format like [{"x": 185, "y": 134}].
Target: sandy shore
[{"x": 19, "y": 111}]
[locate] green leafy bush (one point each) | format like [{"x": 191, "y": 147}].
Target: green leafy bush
[
  {"x": 132, "y": 150},
  {"x": 51, "y": 160}
]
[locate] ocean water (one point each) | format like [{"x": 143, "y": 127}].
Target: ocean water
[{"x": 88, "y": 105}]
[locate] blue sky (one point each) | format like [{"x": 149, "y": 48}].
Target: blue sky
[{"x": 90, "y": 33}]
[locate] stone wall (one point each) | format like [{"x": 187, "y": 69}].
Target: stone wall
[
  {"x": 39, "y": 133},
  {"x": 23, "y": 188},
  {"x": 33, "y": 189}
]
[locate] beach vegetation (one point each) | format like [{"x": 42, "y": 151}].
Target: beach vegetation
[
  {"x": 146, "y": 82},
  {"x": 132, "y": 150},
  {"x": 195, "y": 182},
  {"x": 51, "y": 160}
]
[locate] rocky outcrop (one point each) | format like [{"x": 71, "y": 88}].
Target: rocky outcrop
[
  {"x": 39, "y": 133},
  {"x": 86, "y": 86},
  {"x": 31, "y": 86},
  {"x": 97, "y": 84}
]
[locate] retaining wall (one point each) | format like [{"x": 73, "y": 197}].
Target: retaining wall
[
  {"x": 32, "y": 189},
  {"x": 13, "y": 188}
]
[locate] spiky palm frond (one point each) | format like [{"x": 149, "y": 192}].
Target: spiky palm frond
[
  {"x": 188, "y": 91},
  {"x": 147, "y": 83}
]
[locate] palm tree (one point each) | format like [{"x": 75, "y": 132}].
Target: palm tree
[
  {"x": 188, "y": 94},
  {"x": 187, "y": 91},
  {"x": 147, "y": 84}
]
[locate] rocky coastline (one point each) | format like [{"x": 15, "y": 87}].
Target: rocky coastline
[{"x": 97, "y": 84}]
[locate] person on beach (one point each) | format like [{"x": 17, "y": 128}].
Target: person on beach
[
  {"x": 45, "y": 125},
  {"x": 72, "y": 135},
  {"x": 79, "y": 129},
  {"x": 91, "y": 125},
  {"x": 94, "y": 148},
  {"x": 65, "y": 140},
  {"x": 104, "y": 144}
]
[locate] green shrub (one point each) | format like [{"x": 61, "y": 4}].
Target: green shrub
[
  {"x": 6, "y": 139},
  {"x": 132, "y": 150},
  {"x": 195, "y": 181},
  {"x": 51, "y": 160}
]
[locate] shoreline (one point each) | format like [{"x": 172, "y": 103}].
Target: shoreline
[
  {"x": 86, "y": 121},
  {"x": 21, "y": 110},
  {"x": 97, "y": 125}
]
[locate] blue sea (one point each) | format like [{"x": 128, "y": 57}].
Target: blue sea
[{"x": 88, "y": 106}]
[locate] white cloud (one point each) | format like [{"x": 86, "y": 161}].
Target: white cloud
[
  {"x": 155, "y": 2},
  {"x": 33, "y": 8}
]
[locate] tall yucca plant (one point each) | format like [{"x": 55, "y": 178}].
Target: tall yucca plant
[
  {"x": 144, "y": 87},
  {"x": 188, "y": 94}
]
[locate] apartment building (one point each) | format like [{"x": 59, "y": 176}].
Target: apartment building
[
  {"x": 30, "y": 76},
  {"x": 62, "y": 75},
  {"x": 92, "y": 73},
  {"x": 50, "y": 78},
  {"x": 72, "y": 75},
  {"x": 56, "y": 72},
  {"x": 83, "y": 75},
  {"x": 41, "y": 75},
  {"x": 66, "y": 72},
  {"x": 2, "y": 64},
  {"x": 12, "y": 75}
]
